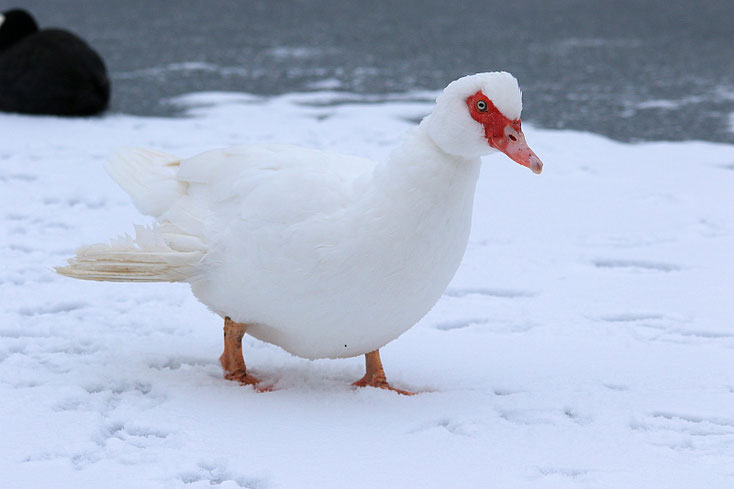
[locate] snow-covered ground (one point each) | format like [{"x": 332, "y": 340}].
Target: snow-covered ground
[{"x": 586, "y": 341}]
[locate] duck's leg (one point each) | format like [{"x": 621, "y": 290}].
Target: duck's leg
[
  {"x": 232, "y": 360},
  {"x": 375, "y": 376}
]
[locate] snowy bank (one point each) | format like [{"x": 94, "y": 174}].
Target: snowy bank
[{"x": 586, "y": 341}]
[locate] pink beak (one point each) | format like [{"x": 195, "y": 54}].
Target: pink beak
[{"x": 513, "y": 144}]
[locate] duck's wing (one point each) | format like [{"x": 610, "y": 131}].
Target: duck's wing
[
  {"x": 278, "y": 184},
  {"x": 262, "y": 187},
  {"x": 269, "y": 183}
]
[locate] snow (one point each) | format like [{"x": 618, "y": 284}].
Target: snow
[{"x": 586, "y": 341}]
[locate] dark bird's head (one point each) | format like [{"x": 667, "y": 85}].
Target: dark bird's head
[{"x": 15, "y": 24}]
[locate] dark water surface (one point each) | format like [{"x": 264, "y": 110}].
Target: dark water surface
[{"x": 633, "y": 70}]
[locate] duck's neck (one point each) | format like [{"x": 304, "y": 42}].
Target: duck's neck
[
  {"x": 416, "y": 220},
  {"x": 420, "y": 167}
]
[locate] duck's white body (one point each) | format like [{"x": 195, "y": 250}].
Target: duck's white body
[
  {"x": 323, "y": 254},
  {"x": 342, "y": 267}
]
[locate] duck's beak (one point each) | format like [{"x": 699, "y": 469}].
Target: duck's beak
[{"x": 512, "y": 143}]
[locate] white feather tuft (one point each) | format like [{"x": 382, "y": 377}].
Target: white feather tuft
[
  {"x": 145, "y": 258},
  {"x": 149, "y": 177}
]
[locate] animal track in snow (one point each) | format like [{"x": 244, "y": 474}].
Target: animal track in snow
[
  {"x": 491, "y": 325},
  {"x": 460, "y": 323},
  {"x": 106, "y": 398},
  {"x": 217, "y": 474},
  {"x": 542, "y": 416},
  {"x": 616, "y": 241},
  {"x": 644, "y": 265},
  {"x": 88, "y": 203},
  {"x": 694, "y": 424},
  {"x": 175, "y": 363},
  {"x": 488, "y": 292},
  {"x": 711, "y": 228},
  {"x": 129, "y": 443},
  {"x": 15, "y": 216},
  {"x": 655, "y": 326},
  {"x": 82, "y": 459},
  {"x": 453, "y": 427},
  {"x": 709, "y": 434},
  {"x": 627, "y": 317},
  {"x": 703, "y": 334},
  {"x": 67, "y": 306},
  {"x": 21, "y": 248},
  {"x": 577, "y": 417},
  {"x": 143, "y": 388},
  {"x": 562, "y": 471},
  {"x": 499, "y": 391},
  {"x": 22, "y": 177},
  {"x": 138, "y": 436}
]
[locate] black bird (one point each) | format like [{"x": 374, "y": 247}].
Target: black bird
[{"x": 48, "y": 71}]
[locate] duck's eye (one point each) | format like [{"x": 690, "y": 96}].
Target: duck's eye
[{"x": 481, "y": 106}]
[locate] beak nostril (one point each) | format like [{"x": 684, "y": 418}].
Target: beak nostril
[{"x": 512, "y": 137}]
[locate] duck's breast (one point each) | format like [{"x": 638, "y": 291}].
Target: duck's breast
[{"x": 343, "y": 283}]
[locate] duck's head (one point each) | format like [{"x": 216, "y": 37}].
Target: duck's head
[
  {"x": 15, "y": 24},
  {"x": 478, "y": 114}
]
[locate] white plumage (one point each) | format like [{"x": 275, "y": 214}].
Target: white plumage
[{"x": 323, "y": 254}]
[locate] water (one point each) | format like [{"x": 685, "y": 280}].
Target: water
[{"x": 632, "y": 70}]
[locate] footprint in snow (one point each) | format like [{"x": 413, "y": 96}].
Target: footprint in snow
[
  {"x": 107, "y": 397},
  {"x": 143, "y": 388},
  {"x": 655, "y": 326},
  {"x": 59, "y": 307},
  {"x": 631, "y": 317},
  {"x": 504, "y": 392},
  {"x": 13, "y": 216},
  {"x": 216, "y": 474},
  {"x": 530, "y": 416},
  {"x": 491, "y": 325},
  {"x": 175, "y": 363},
  {"x": 445, "y": 424},
  {"x": 488, "y": 292},
  {"x": 691, "y": 433},
  {"x": 635, "y": 265},
  {"x": 137, "y": 436},
  {"x": 544, "y": 416},
  {"x": 562, "y": 471},
  {"x": 461, "y": 323},
  {"x": 21, "y": 177}
]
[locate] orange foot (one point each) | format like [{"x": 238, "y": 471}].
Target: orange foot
[
  {"x": 245, "y": 379},
  {"x": 232, "y": 361},
  {"x": 375, "y": 376},
  {"x": 380, "y": 383}
]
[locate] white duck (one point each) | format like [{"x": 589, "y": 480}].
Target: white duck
[{"x": 323, "y": 254}]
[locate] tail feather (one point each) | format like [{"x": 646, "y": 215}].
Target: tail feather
[
  {"x": 166, "y": 252},
  {"x": 147, "y": 258},
  {"x": 149, "y": 177}
]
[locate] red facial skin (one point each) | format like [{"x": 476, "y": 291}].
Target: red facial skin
[{"x": 502, "y": 133}]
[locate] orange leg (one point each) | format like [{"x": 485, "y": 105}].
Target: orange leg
[
  {"x": 375, "y": 376},
  {"x": 232, "y": 360}
]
